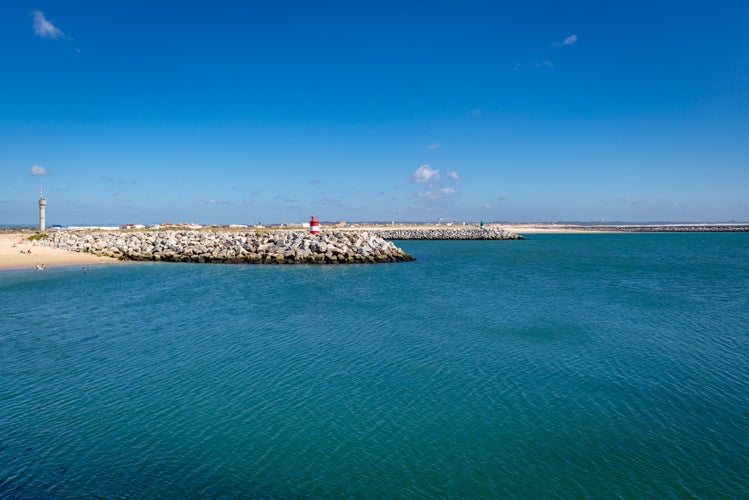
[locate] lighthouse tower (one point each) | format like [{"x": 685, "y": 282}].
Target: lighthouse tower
[{"x": 42, "y": 211}]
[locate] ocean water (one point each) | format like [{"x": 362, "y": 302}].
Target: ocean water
[{"x": 567, "y": 365}]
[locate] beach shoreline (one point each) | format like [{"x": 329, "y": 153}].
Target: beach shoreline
[
  {"x": 16, "y": 245},
  {"x": 15, "y": 248}
]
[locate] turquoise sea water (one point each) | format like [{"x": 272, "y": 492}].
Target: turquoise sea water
[{"x": 565, "y": 365}]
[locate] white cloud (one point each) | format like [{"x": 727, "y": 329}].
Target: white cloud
[
  {"x": 453, "y": 175},
  {"x": 572, "y": 39},
  {"x": 495, "y": 202},
  {"x": 436, "y": 145},
  {"x": 38, "y": 170},
  {"x": 111, "y": 180},
  {"x": 425, "y": 173},
  {"x": 633, "y": 200},
  {"x": 429, "y": 195},
  {"x": 217, "y": 202},
  {"x": 44, "y": 28},
  {"x": 545, "y": 64},
  {"x": 439, "y": 194}
]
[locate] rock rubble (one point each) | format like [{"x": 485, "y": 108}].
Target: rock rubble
[{"x": 278, "y": 247}]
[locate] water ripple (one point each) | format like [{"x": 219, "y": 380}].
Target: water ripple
[{"x": 580, "y": 366}]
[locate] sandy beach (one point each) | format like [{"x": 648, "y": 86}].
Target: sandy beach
[
  {"x": 548, "y": 229},
  {"x": 15, "y": 247}
]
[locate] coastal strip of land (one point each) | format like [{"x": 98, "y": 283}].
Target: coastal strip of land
[
  {"x": 561, "y": 228},
  {"x": 359, "y": 243},
  {"x": 446, "y": 233}
]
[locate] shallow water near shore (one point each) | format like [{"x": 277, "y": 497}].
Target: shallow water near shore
[{"x": 564, "y": 365}]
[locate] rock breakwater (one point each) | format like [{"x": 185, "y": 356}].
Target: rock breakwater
[
  {"x": 278, "y": 247},
  {"x": 447, "y": 234}
]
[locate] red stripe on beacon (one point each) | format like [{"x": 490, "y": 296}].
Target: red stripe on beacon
[{"x": 314, "y": 225}]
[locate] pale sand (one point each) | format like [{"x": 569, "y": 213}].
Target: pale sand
[
  {"x": 11, "y": 256},
  {"x": 548, "y": 229},
  {"x": 515, "y": 228}
]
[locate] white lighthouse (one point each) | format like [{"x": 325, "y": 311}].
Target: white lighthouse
[{"x": 42, "y": 211}]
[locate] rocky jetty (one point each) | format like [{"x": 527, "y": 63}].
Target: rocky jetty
[
  {"x": 278, "y": 247},
  {"x": 471, "y": 233}
]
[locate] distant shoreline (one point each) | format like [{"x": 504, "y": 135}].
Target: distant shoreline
[
  {"x": 626, "y": 228},
  {"x": 14, "y": 243},
  {"x": 518, "y": 227}
]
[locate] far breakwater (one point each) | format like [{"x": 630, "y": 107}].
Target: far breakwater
[
  {"x": 471, "y": 233},
  {"x": 278, "y": 247}
]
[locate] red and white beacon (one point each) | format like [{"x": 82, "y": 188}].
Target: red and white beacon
[{"x": 314, "y": 225}]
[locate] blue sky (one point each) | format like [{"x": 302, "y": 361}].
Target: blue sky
[{"x": 221, "y": 112}]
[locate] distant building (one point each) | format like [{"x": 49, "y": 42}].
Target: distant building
[{"x": 42, "y": 211}]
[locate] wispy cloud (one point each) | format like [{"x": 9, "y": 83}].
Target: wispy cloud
[
  {"x": 314, "y": 181},
  {"x": 454, "y": 175},
  {"x": 476, "y": 112},
  {"x": 38, "y": 170},
  {"x": 570, "y": 40},
  {"x": 434, "y": 194},
  {"x": 285, "y": 199},
  {"x": 633, "y": 200},
  {"x": 44, "y": 28},
  {"x": 217, "y": 202},
  {"x": 436, "y": 145},
  {"x": 544, "y": 64},
  {"x": 111, "y": 180},
  {"x": 495, "y": 202},
  {"x": 425, "y": 173}
]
